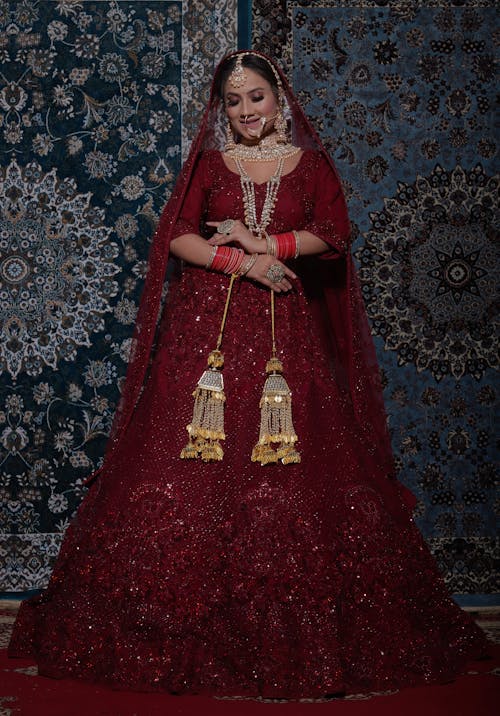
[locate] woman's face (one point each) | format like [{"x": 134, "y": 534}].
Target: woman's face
[{"x": 252, "y": 107}]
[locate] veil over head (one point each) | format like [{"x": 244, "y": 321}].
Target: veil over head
[{"x": 336, "y": 303}]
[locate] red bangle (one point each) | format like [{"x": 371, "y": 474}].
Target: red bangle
[
  {"x": 227, "y": 259},
  {"x": 286, "y": 245}
]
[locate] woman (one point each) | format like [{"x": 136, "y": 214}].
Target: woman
[{"x": 258, "y": 553}]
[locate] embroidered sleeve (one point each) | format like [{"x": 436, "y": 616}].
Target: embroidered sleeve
[
  {"x": 194, "y": 203},
  {"x": 330, "y": 220}
]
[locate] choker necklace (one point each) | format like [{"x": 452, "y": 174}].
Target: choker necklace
[{"x": 267, "y": 150}]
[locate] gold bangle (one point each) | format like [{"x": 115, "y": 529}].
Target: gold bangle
[
  {"x": 297, "y": 244},
  {"x": 272, "y": 245},
  {"x": 247, "y": 264},
  {"x": 268, "y": 244},
  {"x": 211, "y": 257}
]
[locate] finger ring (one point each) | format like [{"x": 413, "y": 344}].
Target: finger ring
[
  {"x": 225, "y": 227},
  {"x": 275, "y": 273}
]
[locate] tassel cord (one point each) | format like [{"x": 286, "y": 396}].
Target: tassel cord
[
  {"x": 273, "y": 337},
  {"x": 234, "y": 276},
  {"x": 207, "y": 424}
]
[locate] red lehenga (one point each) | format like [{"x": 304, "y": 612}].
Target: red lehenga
[{"x": 229, "y": 578}]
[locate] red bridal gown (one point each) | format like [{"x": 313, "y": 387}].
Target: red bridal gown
[{"x": 231, "y": 578}]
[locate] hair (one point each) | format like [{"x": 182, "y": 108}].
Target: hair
[{"x": 252, "y": 62}]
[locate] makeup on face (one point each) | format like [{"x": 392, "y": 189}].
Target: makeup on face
[{"x": 252, "y": 108}]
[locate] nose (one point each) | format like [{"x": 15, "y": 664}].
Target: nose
[{"x": 245, "y": 108}]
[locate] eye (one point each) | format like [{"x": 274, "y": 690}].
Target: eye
[
  {"x": 258, "y": 99},
  {"x": 231, "y": 102}
]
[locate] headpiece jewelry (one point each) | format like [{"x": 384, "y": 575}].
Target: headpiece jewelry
[{"x": 238, "y": 76}]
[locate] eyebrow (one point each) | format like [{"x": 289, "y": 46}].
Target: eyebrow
[{"x": 255, "y": 89}]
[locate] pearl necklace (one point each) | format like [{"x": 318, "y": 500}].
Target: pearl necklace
[
  {"x": 248, "y": 189},
  {"x": 267, "y": 150}
]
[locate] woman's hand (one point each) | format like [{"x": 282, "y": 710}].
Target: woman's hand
[
  {"x": 259, "y": 270},
  {"x": 239, "y": 235}
]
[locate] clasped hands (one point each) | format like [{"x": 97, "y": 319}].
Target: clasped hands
[{"x": 241, "y": 235}]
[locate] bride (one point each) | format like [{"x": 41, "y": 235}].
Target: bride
[{"x": 246, "y": 534}]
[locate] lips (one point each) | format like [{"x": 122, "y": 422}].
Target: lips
[{"x": 250, "y": 122}]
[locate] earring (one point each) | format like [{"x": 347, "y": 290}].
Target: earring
[
  {"x": 280, "y": 123},
  {"x": 230, "y": 143},
  {"x": 281, "y": 127}
]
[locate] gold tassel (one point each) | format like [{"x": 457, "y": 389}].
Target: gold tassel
[
  {"x": 207, "y": 425},
  {"x": 276, "y": 424}
]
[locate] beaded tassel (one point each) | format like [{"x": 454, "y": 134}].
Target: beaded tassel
[
  {"x": 276, "y": 425},
  {"x": 207, "y": 425},
  {"x": 277, "y": 436}
]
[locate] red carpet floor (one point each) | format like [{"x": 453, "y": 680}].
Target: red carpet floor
[{"x": 24, "y": 693}]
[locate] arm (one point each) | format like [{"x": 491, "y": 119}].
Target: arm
[
  {"x": 327, "y": 229},
  {"x": 191, "y": 247},
  {"x": 329, "y": 222},
  {"x": 309, "y": 243}
]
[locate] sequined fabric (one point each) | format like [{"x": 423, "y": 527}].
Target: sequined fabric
[{"x": 232, "y": 578}]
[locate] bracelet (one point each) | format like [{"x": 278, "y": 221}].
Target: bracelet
[
  {"x": 227, "y": 259},
  {"x": 271, "y": 245},
  {"x": 286, "y": 245},
  {"x": 210, "y": 261},
  {"x": 248, "y": 264},
  {"x": 297, "y": 244}
]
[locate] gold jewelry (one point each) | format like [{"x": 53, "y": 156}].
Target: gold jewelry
[
  {"x": 280, "y": 125},
  {"x": 226, "y": 226},
  {"x": 211, "y": 257},
  {"x": 238, "y": 76},
  {"x": 269, "y": 149},
  {"x": 276, "y": 424},
  {"x": 258, "y": 228},
  {"x": 297, "y": 244},
  {"x": 207, "y": 425},
  {"x": 271, "y": 243},
  {"x": 275, "y": 273},
  {"x": 248, "y": 264},
  {"x": 230, "y": 143}
]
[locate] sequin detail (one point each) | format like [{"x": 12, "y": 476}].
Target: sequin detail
[{"x": 236, "y": 579}]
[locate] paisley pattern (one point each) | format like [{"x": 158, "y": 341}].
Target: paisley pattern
[
  {"x": 414, "y": 144},
  {"x": 92, "y": 100}
]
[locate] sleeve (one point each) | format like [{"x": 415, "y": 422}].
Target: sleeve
[
  {"x": 329, "y": 219},
  {"x": 193, "y": 207}
]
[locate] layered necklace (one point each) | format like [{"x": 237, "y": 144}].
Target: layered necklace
[
  {"x": 267, "y": 150},
  {"x": 248, "y": 188}
]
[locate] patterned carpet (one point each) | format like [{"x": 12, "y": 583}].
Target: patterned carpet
[{"x": 98, "y": 104}]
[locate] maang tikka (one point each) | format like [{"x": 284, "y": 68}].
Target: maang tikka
[{"x": 238, "y": 77}]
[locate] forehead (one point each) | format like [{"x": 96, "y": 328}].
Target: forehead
[{"x": 252, "y": 81}]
